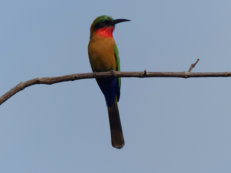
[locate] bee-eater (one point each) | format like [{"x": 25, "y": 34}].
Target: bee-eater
[{"x": 104, "y": 56}]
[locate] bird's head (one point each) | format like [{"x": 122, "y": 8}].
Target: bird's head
[{"x": 104, "y": 25}]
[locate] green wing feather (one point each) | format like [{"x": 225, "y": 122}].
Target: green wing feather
[{"x": 116, "y": 52}]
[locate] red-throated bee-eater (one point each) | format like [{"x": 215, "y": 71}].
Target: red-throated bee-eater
[{"x": 104, "y": 56}]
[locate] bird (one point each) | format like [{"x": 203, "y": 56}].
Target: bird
[{"x": 104, "y": 56}]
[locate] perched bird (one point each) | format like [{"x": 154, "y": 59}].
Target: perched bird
[{"x": 104, "y": 56}]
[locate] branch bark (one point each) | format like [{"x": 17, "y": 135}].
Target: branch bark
[{"x": 72, "y": 77}]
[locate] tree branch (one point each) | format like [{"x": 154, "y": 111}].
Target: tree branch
[
  {"x": 193, "y": 65},
  {"x": 144, "y": 74}
]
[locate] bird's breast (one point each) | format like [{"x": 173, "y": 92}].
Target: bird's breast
[{"x": 101, "y": 54}]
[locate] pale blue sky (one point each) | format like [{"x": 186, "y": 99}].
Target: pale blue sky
[{"x": 170, "y": 125}]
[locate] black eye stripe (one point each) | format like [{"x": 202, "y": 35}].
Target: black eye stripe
[{"x": 102, "y": 24}]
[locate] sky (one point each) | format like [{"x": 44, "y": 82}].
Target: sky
[{"x": 169, "y": 124}]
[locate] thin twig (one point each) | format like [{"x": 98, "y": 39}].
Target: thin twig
[
  {"x": 72, "y": 77},
  {"x": 193, "y": 65}
]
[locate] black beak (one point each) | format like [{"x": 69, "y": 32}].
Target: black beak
[{"x": 119, "y": 21}]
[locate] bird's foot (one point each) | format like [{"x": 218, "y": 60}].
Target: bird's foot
[
  {"x": 113, "y": 72},
  {"x": 94, "y": 74}
]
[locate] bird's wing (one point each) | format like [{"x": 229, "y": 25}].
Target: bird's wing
[{"x": 116, "y": 53}]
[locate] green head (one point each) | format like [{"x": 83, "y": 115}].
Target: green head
[{"x": 105, "y": 21}]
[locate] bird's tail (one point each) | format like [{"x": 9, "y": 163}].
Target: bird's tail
[{"x": 117, "y": 138}]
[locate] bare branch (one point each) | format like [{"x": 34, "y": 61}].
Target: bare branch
[
  {"x": 144, "y": 74},
  {"x": 193, "y": 65}
]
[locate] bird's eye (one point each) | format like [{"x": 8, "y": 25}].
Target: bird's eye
[
  {"x": 102, "y": 24},
  {"x": 105, "y": 21}
]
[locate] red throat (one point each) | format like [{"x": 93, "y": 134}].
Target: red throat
[{"x": 105, "y": 32}]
